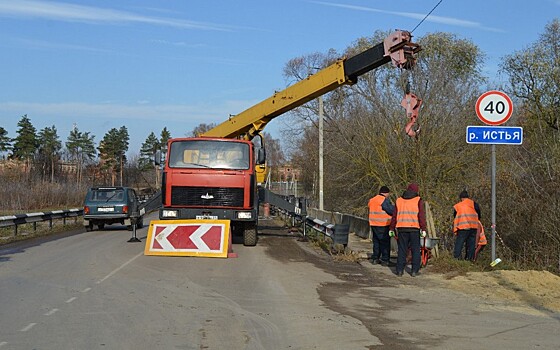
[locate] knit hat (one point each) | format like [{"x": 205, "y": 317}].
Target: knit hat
[
  {"x": 463, "y": 194},
  {"x": 384, "y": 189},
  {"x": 413, "y": 187}
]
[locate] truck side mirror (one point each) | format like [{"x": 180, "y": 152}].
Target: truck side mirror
[
  {"x": 157, "y": 157},
  {"x": 261, "y": 156}
]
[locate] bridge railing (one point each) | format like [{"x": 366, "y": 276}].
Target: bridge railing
[
  {"x": 21, "y": 219},
  {"x": 335, "y": 225}
]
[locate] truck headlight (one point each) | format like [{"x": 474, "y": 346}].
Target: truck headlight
[
  {"x": 166, "y": 213},
  {"x": 244, "y": 215}
]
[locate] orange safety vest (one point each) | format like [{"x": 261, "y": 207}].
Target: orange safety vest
[
  {"x": 378, "y": 216},
  {"x": 407, "y": 212},
  {"x": 481, "y": 237},
  {"x": 466, "y": 217}
]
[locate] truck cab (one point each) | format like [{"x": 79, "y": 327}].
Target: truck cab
[{"x": 211, "y": 178}]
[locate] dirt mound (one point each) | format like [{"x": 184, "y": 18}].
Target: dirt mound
[{"x": 537, "y": 289}]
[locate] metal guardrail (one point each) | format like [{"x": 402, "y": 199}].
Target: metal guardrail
[
  {"x": 151, "y": 204},
  {"x": 356, "y": 225},
  {"x": 20, "y": 219},
  {"x": 337, "y": 232},
  {"x": 334, "y": 225},
  {"x": 290, "y": 205}
]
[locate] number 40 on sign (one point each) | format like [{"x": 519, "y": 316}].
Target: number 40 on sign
[{"x": 494, "y": 107}]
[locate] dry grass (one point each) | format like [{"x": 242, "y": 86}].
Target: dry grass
[
  {"x": 27, "y": 231},
  {"x": 27, "y": 197},
  {"x": 338, "y": 252},
  {"x": 446, "y": 264}
]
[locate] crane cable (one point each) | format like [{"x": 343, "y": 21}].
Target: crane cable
[
  {"x": 429, "y": 13},
  {"x": 411, "y": 102}
]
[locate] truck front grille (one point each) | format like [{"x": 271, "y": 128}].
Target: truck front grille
[{"x": 207, "y": 196}]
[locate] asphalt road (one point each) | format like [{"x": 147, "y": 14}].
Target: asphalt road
[{"x": 95, "y": 290}]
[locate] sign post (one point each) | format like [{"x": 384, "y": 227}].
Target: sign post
[{"x": 494, "y": 108}]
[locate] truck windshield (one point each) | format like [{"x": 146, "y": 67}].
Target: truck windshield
[{"x": 209, "y": 154}]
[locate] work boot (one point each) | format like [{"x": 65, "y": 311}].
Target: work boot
[
  {"x": 399, "y": 273},
  {"x": 384, "y": 263},
  {"x": 414, "y": 274}
]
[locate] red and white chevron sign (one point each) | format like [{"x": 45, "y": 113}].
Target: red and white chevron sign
[{"x": 188, "y": 238}]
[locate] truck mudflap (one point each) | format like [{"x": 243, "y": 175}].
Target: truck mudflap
[{"x": 204, "y": 238}]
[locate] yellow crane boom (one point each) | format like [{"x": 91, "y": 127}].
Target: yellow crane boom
[{"x": 396, "y": 48}]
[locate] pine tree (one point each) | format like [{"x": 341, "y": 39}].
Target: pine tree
[
  {"x": 123, "y": 147},
  {"x": 164, "y": 137},
  {"x": 49, "y": 150},
  {"x": 5, "y": 143},
  {"x": 112, "y": 151},
  {"x": 81, "y": 147},
  {"x": 148, "y": 151},
  {"x": 26, "y": 143}
]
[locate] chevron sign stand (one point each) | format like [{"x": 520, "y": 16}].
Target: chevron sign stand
[{"x": 204, "y": 238}]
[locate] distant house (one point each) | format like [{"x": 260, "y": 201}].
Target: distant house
[{"x": 288, "y": 173}]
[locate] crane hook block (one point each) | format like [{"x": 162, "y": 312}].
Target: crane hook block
[{"x": 402, "y": 51}]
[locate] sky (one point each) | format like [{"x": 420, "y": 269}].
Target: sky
[{"x": 150, "y": 64}]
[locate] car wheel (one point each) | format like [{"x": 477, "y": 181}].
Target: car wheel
[
  {"x": 89, "y": 228},
  {"x": 101, "y": 226}
]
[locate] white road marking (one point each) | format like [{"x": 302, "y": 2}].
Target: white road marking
[
  {"x": 86, "y": 290},
  {"x": 3, "y": 343},
  {"x": 119, "y": 268},
  {"x": 51, "y": 312},
  {"x": 71, "y": 300},
  {"x": 28, "y": 327}
]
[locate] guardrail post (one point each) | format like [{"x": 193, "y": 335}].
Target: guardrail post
[
  {"x": 50, "y": 224},
  {"x": 34, "y": 227},
  {"x": 340, "y": 234},
  {"x": 15, "y": 230}
]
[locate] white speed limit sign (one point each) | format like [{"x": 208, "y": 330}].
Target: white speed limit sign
[{"x": 494, "y": 107}]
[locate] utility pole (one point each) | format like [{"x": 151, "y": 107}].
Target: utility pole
[{"x": 321, "y": 153}]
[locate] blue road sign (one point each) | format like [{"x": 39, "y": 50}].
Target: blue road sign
[{"x": 495, "y": 135}]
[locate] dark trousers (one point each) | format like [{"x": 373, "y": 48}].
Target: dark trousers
[
  {"x": 465, "y": 238},
  {"x": 408, "y": 238},
  {"x": 381, "y": 243}
]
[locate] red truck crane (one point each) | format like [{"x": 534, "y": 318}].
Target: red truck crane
[{"x": 216, "y": 175}]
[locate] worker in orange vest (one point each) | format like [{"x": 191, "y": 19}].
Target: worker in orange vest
[
  {"x": 380, "y": 212},
  {"x": 409, "y": 219},
  {"x": 465, "y": 224}
]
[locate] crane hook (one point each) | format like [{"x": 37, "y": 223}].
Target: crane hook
[{"x": 411, "y": 104}]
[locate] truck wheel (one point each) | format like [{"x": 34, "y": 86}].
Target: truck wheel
[
  {"x": 89, "y": 228},
  {"x": 101, "y": 226},
  {"x": 140, "y": 222},
  {"x": 250, "y": 234}
]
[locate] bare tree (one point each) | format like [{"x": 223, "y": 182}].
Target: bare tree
[{"x": 529, "y": 183}]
